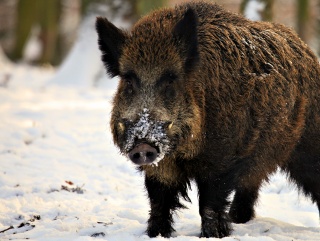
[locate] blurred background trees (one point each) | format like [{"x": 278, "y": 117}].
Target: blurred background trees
[
  {"x": 42, "y": 32},
  {"x": 266, "y": 12},
  {"x": 41, "y": 18}
]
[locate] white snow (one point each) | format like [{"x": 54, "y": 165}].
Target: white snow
[
  {"x": 253, "y": 10},
  {"x": 88, "y": 67},
  {"x": 33, "y": 48},
  {"x": 61, "y": 178}
]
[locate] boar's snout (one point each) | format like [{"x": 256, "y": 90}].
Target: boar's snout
[
  {"x": 147, "y": 140},
  {"x": 143, "y": 154}
]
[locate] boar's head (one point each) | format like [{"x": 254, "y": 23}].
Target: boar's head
[{"x": 154, "y": 112}]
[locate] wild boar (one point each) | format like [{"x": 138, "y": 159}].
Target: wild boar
[{"x": 206, "y": 95}]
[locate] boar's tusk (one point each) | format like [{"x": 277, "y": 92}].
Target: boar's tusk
[{"x": 121, "y": 126}]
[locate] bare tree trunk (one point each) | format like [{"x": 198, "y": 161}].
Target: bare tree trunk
[
  {"x": 69, "y": 22},
  {"x": 318, "y": 28},
  {"x": 267, "y": 14},
  {"x": 8, "y": 15},
  {"x": 27, "y": 15},
  {"x": 45, "y": 14},
  {"x": 303, "y": 18},
  {"x": 49, "y": 22}
]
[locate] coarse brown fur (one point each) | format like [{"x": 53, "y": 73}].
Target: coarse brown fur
[{"x": 242, "y": 97}]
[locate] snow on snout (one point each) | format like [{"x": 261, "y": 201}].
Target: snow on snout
[{"x": 151, "y": 131}]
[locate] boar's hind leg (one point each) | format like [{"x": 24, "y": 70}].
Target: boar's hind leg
[
  {"x": 213, "y": 202},
  {"x": 304, "y": 170},
  {"x": 164, "y": 199},
  {"x": 242, "y": 207}
]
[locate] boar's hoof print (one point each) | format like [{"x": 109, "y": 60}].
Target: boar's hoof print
[{"x": 143, "y": 154}]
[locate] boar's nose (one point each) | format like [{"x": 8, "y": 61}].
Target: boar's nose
[{"x": 143, "y": 154}]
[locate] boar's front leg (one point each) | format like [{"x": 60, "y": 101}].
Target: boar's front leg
[
  {"x": 164, "y": 199},
  {"x": 213, "y": 194}
]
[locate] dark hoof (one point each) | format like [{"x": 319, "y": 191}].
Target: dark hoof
[
  {"x": 216, "y": 226},
  {"x": 157, "y": 226},
  {"x": 241, "y": 215}
]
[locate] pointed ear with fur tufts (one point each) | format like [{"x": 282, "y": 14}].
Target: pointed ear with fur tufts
[
  {"x": 110, "y": 40},
  {"x": 185, "y": 32}
]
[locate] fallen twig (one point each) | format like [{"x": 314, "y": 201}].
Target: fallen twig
[{"x": 2, "y": 231}]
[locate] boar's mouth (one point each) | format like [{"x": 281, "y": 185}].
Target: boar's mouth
[{"x": 144, "y": 153}]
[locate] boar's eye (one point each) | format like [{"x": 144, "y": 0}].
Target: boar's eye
[
  {"x": 131, "y": 81},
  {"x": 167, "y": 78},
  {"x": 166, "y": 84}
]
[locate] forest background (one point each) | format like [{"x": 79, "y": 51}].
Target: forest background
[{"x": 53, "y": 25}]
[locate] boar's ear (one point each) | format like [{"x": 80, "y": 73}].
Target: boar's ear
[
  {"x": 186, "y": 32},
  {"x": 110, "y": 40}
]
